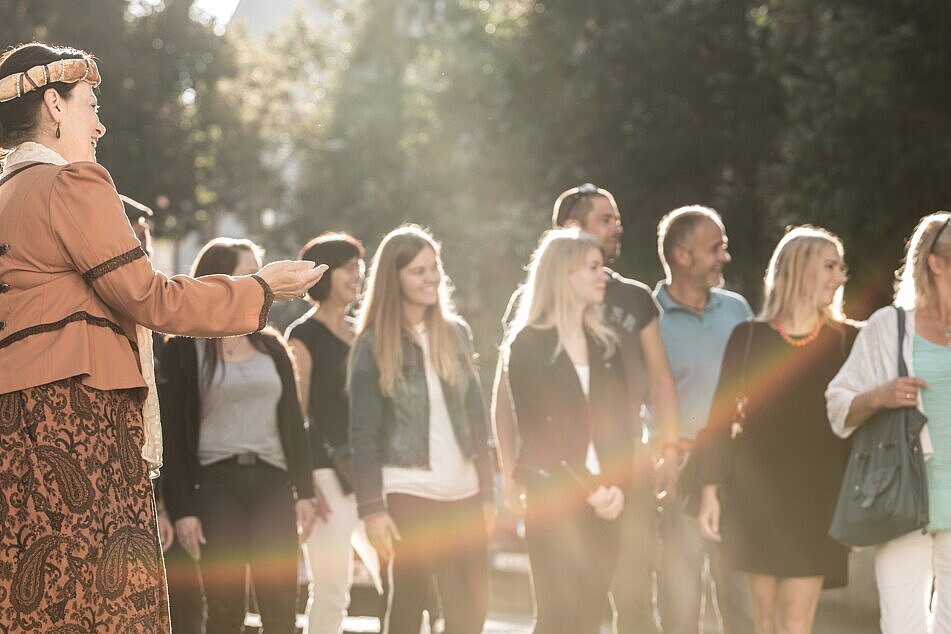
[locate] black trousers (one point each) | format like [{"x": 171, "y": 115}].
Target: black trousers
[
  {"x": 442, "y": 540},
  {"x": 633, "y": 586},
  {"x": 573, "y": 554},
  {"x": 247, "y": 515},
  {"x": 186, "y": 597}
]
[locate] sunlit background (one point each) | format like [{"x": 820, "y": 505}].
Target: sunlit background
[{"x": 277, "y": 120}]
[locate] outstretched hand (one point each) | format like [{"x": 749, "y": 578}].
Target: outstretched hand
[{"x": 290, "y": 279}]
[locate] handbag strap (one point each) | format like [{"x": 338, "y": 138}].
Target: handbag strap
[
  {"x": 746, "y": 355},
  {"x": 902, "y": 368},
  {"x": 739, "y": 405}
]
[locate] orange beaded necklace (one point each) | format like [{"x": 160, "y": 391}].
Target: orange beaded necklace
[{"x": 799, "y": 342}]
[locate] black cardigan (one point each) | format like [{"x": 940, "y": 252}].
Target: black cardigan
[
  {"x": 556, "y": 421},
  {"x": 180, "y": 402}
]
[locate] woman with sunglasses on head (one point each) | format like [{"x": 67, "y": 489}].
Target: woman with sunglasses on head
[
  {"x": 238, "y": 484},
  {"x": 419, "y": 438},
  {"x": 79, "y": 427},
  {"x": 768, "y": 451},
  {"x": 321, "y": 341},
  {"x": 908, "y": 567},
  {"x": 577, "y": 430}
]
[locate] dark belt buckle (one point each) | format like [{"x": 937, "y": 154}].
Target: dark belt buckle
[{"x": 246, "y": 459}]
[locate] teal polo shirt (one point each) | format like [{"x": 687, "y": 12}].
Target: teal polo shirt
[{"x": 695, "y": 345}]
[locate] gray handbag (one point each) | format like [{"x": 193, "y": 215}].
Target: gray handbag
[{"x": 884, "y": 491}]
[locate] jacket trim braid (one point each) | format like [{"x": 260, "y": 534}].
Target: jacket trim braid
[
  {"x": 7, "y": 177},
  {"x": 62, "y": 323},
  {"x": 113, "y": 263},
  {"x": 268, "y": 300}
]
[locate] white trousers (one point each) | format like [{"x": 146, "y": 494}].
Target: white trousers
[
  {"x": 904, "y": 570},
  {"x": 329, "y": 556}
]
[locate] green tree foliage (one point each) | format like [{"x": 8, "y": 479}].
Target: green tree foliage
[
  {"x": 866, "y": 124},
  {"x": 471, "y": 115},
  {"x": 176, "y": 139}
]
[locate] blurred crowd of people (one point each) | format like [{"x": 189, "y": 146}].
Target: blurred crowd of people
[{"x": 661, "y": 443}]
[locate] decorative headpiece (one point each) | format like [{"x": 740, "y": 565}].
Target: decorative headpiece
[{"x": 67, "y": 71}]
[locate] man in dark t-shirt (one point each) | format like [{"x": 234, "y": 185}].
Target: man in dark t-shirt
[{"x": 631, "y": 310}]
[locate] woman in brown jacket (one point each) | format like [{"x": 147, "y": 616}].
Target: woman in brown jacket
[{"x": 79, "y": 429}]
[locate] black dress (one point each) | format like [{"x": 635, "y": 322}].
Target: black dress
[{"x": 780, "y": 477}]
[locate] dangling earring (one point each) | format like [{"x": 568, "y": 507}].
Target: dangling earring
[{"x": 56, "y": 134}]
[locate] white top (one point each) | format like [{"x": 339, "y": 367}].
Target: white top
[
  {"x": 872, "y": 362},
  {"x": 591, "y": 462},
  {"x": 584, "y": 377},
  {"x": 451, "y": 475}
]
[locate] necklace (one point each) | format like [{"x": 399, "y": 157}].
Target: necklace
[{"x": 799, "y": 342}]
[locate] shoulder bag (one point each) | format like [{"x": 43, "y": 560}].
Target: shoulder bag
[{"x": 884, "y": 492}]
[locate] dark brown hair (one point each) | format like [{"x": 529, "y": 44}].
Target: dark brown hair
[
  {"x": 333, "y": 249},
  {"x": 220, "y": 257},
  {"x": 18, "y": 116}
]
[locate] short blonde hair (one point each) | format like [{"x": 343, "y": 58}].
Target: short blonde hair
[
  {"x": 793, "y": 268},
  {"x": 915, "y": 283},
  {"x": 548, "y": 300}
]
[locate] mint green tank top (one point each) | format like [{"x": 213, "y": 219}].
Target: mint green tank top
[{"x": 933, "y": 364}]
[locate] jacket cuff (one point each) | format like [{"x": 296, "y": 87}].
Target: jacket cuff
[
  {"x": 181, "y": 508},
  {"x": 371, "y": 507},
  {"x": 304, "y": 489},
  {"x": 268, "y": 301}
]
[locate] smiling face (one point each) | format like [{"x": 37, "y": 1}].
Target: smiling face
[
  {"x": 589, "y": 280},
  {"x": 419, "y": 280},
  {"x": 706, "y": 254},
  {"x": 345, "y": 281},
  {"x": 831, "y": 276},
  {"x": 78, "y": 119}
]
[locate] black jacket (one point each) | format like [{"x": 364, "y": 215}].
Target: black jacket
[
  {"x": 556, "y": 422},
  {"x": 180, "y": 402}
]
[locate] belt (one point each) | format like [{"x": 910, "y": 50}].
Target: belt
[{"x": 244, "y": 459}]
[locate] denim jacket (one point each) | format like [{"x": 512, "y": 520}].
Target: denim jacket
[{"x": 394, "y": 431}]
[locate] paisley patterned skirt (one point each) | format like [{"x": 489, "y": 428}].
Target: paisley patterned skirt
[{"x": 79, "y": 550}]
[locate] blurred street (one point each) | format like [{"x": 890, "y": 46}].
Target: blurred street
[{"x": 511, "y": 611}]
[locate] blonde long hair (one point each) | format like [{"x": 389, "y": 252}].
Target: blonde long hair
[
  {"x": 915, "y": 287},
  {"x": 793, "y": 267},
  {"x": 382, "y": 310},
  {"x": 547, "y": 298}
]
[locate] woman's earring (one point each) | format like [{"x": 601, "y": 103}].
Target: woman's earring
[{"x": 57, "y": 131}]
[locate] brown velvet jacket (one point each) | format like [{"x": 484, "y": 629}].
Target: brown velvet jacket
[{"x": 74, "y": 283}]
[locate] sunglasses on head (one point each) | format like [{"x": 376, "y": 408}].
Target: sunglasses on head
[
  {"x": 934, "y": 243},
  {"x": 585, "y": 189}
]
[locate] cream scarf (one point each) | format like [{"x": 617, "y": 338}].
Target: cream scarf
[{"x": 31, "y": 152}]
